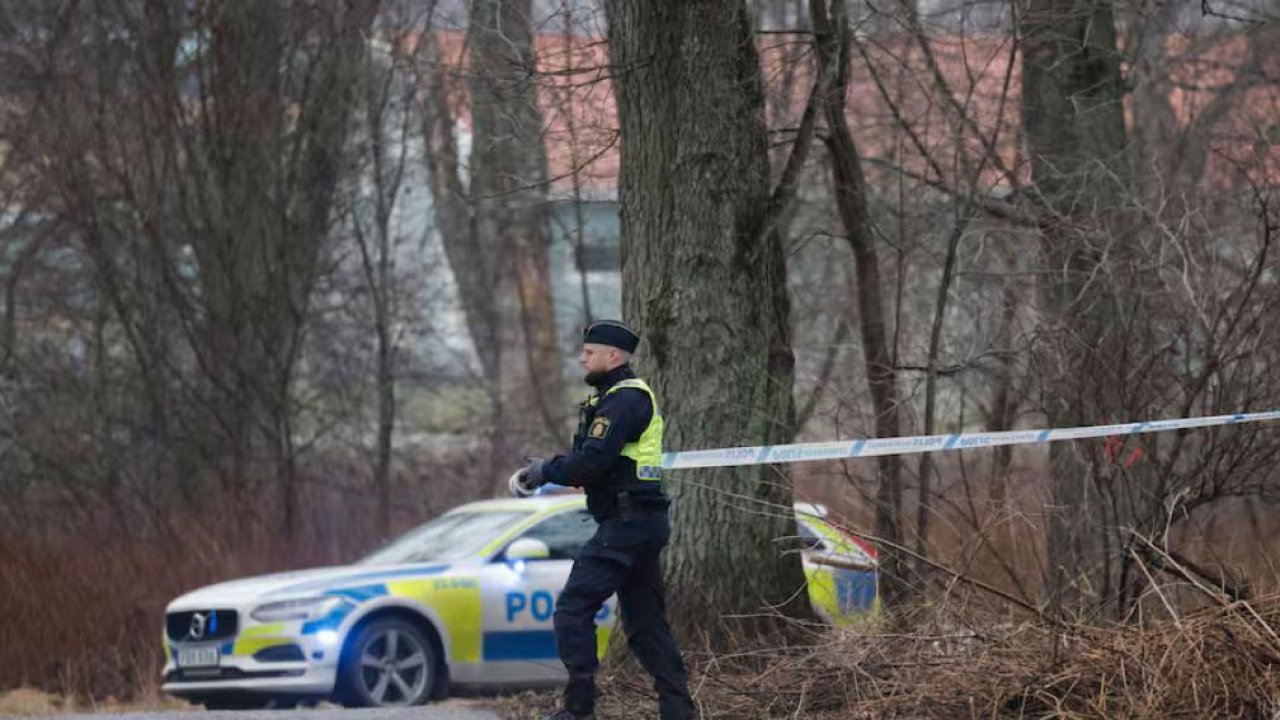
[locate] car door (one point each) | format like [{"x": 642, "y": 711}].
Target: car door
[
  {"x": 841, "y": 573},
  {"x": 519, "y": 598}
]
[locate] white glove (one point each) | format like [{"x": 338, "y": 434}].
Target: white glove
[
  {"x": 516, "y": 486},
  {"x": 526, "y": 481}
]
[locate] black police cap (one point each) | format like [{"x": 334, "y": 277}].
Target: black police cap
[{"x": 611, "y": 333}]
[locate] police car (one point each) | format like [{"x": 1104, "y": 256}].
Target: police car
[{"x": 464, "y": 600}]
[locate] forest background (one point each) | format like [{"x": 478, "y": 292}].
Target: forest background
[{"x": 284, "y": 279}]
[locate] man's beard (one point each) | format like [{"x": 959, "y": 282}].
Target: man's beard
[{"x": 595, "y": 378}]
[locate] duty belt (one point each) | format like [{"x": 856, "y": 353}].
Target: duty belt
[{"x": 630, "y": 503}]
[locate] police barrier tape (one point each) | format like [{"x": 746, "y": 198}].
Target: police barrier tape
[{"x": 873, "y": 447}]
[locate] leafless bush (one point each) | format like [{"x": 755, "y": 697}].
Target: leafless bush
[{"x": 84, "y": 578}]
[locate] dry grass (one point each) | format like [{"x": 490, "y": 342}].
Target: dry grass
[
  {"x": 1221, "y": 662},
  {"x": 26, "y": 702},
  {"x": 1218, "y": 663}
]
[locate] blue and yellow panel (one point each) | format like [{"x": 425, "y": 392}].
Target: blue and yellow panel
[
  {"x": 843, "y": 594},
  {"x": 531, "y": 614},
  {"x": 456, "y": 601},
  {"x": 258, "y": 637}
]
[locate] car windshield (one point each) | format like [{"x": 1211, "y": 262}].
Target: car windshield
[{"x": 448, "y": 537}]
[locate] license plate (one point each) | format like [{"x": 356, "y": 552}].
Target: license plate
[{"x": 198, "y": 657}]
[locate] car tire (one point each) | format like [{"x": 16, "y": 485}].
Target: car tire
[{"x": 388, "y": 663}]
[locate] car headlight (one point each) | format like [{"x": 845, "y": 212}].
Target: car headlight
[{"x": 308, "y": 609}]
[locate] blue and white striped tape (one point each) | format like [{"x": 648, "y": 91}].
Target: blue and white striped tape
[{"x": 873, "y": 447}]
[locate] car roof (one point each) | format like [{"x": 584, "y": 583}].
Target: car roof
[
  {"x": 566, "y": 500},
  {"x": 535, "y": 504},
  {"x": 540, "y": 506}
]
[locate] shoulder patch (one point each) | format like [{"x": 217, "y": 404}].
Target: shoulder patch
[{"x": 599, "y": 428}]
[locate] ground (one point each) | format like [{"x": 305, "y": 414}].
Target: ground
[{"x": 33, "y": 703}]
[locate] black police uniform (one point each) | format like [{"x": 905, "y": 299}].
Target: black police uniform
[{"x": 621, "y": 557}]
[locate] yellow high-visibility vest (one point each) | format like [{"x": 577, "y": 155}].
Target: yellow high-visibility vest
[{"x": 647, "y": 451}]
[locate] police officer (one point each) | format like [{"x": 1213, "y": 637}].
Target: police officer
[{"x": 616, "y": 458}]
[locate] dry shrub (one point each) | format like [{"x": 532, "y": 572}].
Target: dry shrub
[
  {"x": 26, "y": 701},
  {"x": 1216, "y": 663},
  {"x": 1222, "y": 662},
  {"x": 84, "y": 578}
]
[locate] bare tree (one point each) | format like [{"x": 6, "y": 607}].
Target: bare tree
[
  {"x": 1073, "y": 117},
  {"x": 197, "y": 147},
  {"x": 831, "y": 26},
  {"x": 509, "y": 188},
  {"x": 496, "y": 229},
  {"x": 388, "y": 130}
]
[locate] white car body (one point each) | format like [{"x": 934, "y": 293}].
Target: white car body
[{"x": 487, "y": 616}]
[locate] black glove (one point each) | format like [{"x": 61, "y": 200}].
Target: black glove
[{"x": 533, "y": 473}]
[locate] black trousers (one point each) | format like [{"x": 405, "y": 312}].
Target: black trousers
[{"x": 621, "y": 557}]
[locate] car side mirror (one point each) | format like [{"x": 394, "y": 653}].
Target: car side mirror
[{"x": 528, "y": 549}]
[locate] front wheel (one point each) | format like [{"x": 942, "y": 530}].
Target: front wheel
[{"x": 389, "y": 663}]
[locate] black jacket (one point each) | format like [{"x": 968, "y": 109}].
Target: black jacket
[{"x": 596, "y": 463}]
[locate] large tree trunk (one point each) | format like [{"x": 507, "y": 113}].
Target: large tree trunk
[
  {"x": 882, "y": 376},
  {"x": 1155, "y": 124},
  {"x": 704, "y": 283},
  {"x": 1073, "y": 115}
]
